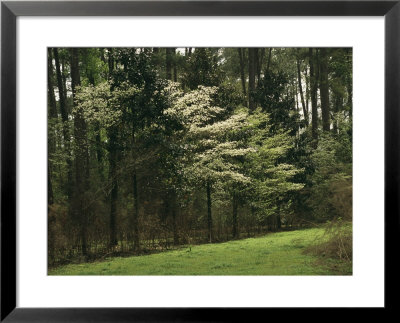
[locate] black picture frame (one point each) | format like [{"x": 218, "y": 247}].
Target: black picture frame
[{"x": 10, "y": 10}]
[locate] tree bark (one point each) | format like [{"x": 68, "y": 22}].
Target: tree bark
[
  {"x": 235, "y": 232},
  {"x": 252, "y": 77},
  {"x": 99, "y": 149},
  {"x": 242, "y": 77},
  {"x": 209, "y": 215},
  {"x": 338, "y": 106},
  {"x": 278, "y": 218},
  {"x": 50, "y": 86},
  {"x": 269, "y": 60},
  {"x": 64, "y": 117},
  {"x": 168, "y": 64},
  {"x": 135, "y": 215},
  {"x": 50, "y": 195},
  {"x": 114, "y": 188},
  {"x": 175, "y": 68},
  {"x": 260, "y": 64},
  {"x": 324, "y": 90},
  {"x": 52, "y": 115},
  {"x": 110, "y": 62},
  {"x": 305, "y": 112},
  {"x": 314, "y": 108},
  {"x": 81, "y": 168},
  {"x": 173, "y": 211},
  {"x": 112, "y": 160}
]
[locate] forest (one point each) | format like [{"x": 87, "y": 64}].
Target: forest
[{"x": 154, "y": 149}]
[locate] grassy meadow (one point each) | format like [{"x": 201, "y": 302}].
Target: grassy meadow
[{"x": 281, "y": 253}]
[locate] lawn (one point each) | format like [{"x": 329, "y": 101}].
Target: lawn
[{"x": 280, "y": 253}]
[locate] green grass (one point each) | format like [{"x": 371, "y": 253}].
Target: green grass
[{"x": 279, "y": 253}]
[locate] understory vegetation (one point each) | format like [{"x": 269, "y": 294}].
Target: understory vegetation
[{"x": 155, "y": 151}]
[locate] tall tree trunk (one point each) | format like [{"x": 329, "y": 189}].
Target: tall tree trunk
[
  {"x": 53, "y": 116},
  {"x": 242, "y": 77},
  {"x": 278, "y": 217},
  {"x": 349, "y": 83},
  {"x": 235, "y": 232},
  {"x": 260, "y": 64},
  {"x": 252, "y": 77},
  {"x": 64, "y": 117},
  {"x": 50, "y": 195},
  {"x": 305, "y": 112},
  {"x": 175, "y": 68},
  {"x": 81, "y": 168},
  {"x": 269, "y": 60},
  {"x": 110, "y": 62},
  {"x": 324, "y": 90},
  {"x": 338, "y": 106},
  {"x": 112, "y": 160},
  {"x": 114, "y": 185},
  {"x": 314, "y": 108},
  {"x": 64, "y": 82},
  {"x": 99, "y": 150},
  {"x": 256, "y": 66},
  {"x": 168, "y": 64},
  {"x": 97, "y": 130},
  {"x": 209, "y": 215},
  {"x": 50, "y": 86},
  {"x": 173, "y": 213},
  {"x": 135, "y": 216},
  {"x": 307, "y": 92}
]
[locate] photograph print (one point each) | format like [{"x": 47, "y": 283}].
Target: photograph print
[{"x": 199, "y": 161}]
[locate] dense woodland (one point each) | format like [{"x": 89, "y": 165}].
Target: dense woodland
[{"x": 153, "y": 148}]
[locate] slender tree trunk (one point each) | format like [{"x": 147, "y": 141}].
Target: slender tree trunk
[
  {"x": 52, "y": 116},
  {"x": 324, "y": 88},
  {"x": 209, "y": 215},
  {"x": 135, "y": 217},
  {"x": 168, "y": 64},
  {"x": 252, "y": 77},
  {"x": 256, "y": 66},
  {"x": 64, "y": 117},
  {"x": 50, "y": 86},
  {"x": 314, "y": 108},
  {"x": 242, "y": 77},
  {"x": 269, "y": 60},
  {"x": 102, "y": 56},
  {"x": 301, "y": 92},
  {"x": 235, "y": 232},
  {"x": 260, "y": 64},
  {"x": 338, "y": 106},
  {"x": 112, "y": 160},
  {"x": 278, "y": 218},
  {"x": 64, "y": 82},
  {"x": 175, "y": 68},
  {"x": 97, "y": 130},
  {"x": 112, "y": 156},
  {"x": 99, "y": 151},
  {"x": 349, "y": 83},
  {"x": 307, "y": 92},
  {"x": 50, "y": 195},
  {"x": 81, "y": 178},
  {"x": 110, "y": 62},
  {"x": 173, "y": 211}
]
